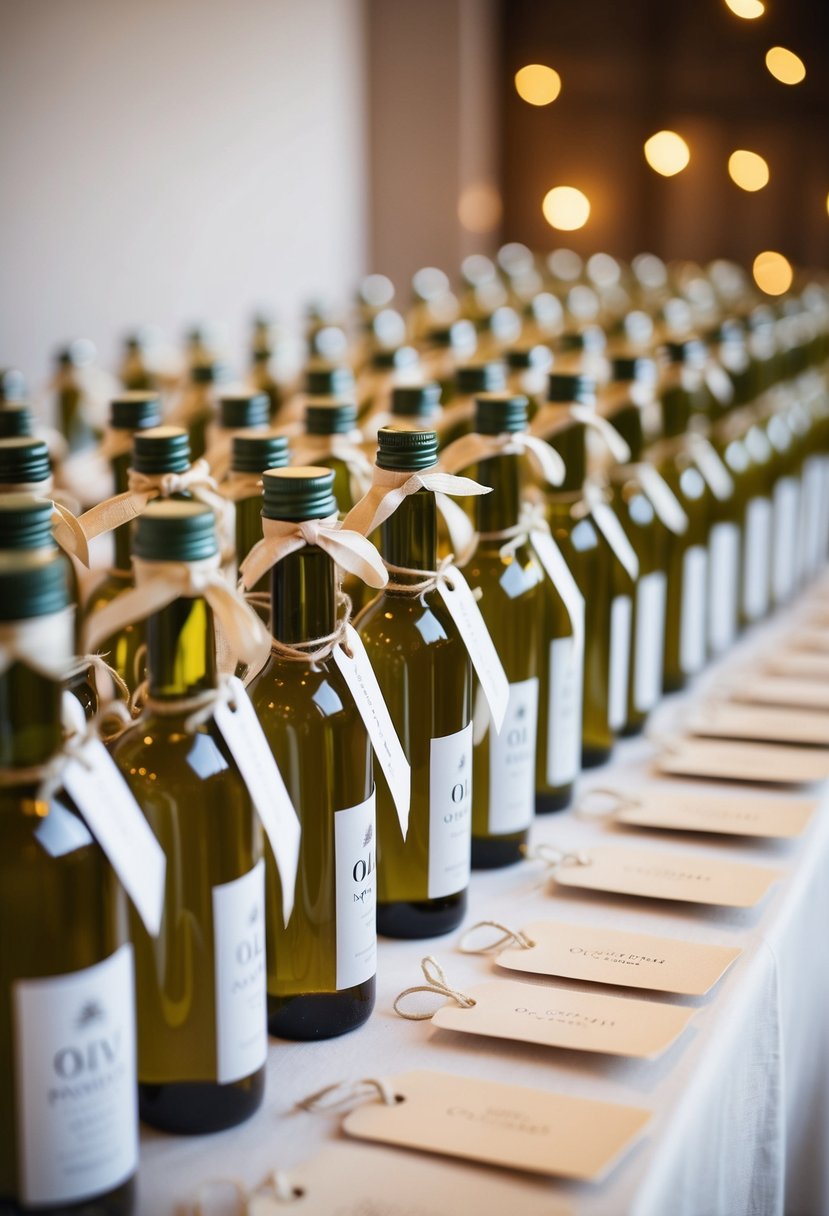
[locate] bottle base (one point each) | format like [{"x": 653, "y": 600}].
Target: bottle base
[
  {"x": 674, "y": 683},
  {"x": 320, "y": 1015},
  {"x": 593, "y": 757},
  {"x": 547, "y": 804},
  {"x": 189, "y": 1108},
  {"x": 632, "y": 728},
  {"x": 423, "y": 918},
  {"x": 119, "y": 1202},
  {"x": 493, "y": 852}
]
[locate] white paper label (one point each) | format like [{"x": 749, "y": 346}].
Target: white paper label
[
  {"x": 649, "y": 644},
  {"x": 621, "y": 611},
  {"x": 241, "y": 977},
  {"x": 388, "y": 751},
  {"x": 118, "y": 824},
  {"x": 76, "y": 1082},
  {"x": 564, "y": 711},
  {"x": 692, "y": 634},
  {"x": 450, "y": 813},
  {"x": 756, "y": 558},
  {"x": 355, "y": 845},
  {"x": 512, "y": 762},
  {"x": 723, "y": 583},
  {"x": 784, "y": 546},
  {"x": 475, "y": 636},
  {"x": 250, "y": 749}
]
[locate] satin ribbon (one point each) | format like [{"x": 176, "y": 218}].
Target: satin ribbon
[
  {"x": 389, "y": 487},
  {"x": 710, "y": 464},
  {"x": 668, "y": 508},
  {"x": 66, "y": 527},
  {"x": 349, "y": 549},
  {"x": 607, "y": 521},
  {"x": 471, "y": 449},
  {"x": 311, "y": 449},
  {"x": 551, "y": 418},
  {"x": 242, "y": 485},
  {"x": 143, "y": 488},
  {"x": 158, "y": 584},
  {"x": 43, "y": 643}
]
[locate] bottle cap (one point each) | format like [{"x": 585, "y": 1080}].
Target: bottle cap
[
  {"x": 298, "y": 492},
  {"x": 523, "y": 357},
  {"x": 23, "y": 460},
  {"x": 500, "y": 413},
  {"x": 685, "y": 350},
  {"x": 460, "y": 335},
  {"x": 238, "y": 411},
  {"x": 571, "y": 387},
  {"x": 633, "y": 367},
  {"x": 135, "y": 411},
  {"x": 161, "y": 449},
  {"x": 12, "y": 384},
  {"x": 328, "y": 380},
  {"x": 590, "y": 338},
  {"x": 15, "y": 420},
  {"x": 175, "y": 530},
  {"x": 32, "y": 584},
  {"x": 328, "y": 417},
  {"x": 480, "y": 378},
  {"x": 258, "y": 451},
  {"x": 415, "y": 400},
  {"x": 395, "y": 357},
  {"x": 405, "y": 450},
  {"x": 25, "y": 522},
  {"x": 203, "y": 373}
]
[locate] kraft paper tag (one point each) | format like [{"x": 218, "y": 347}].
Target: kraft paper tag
[
  {"x": 118, "y": 824},
  {"x": 354, "y": 1180},
  {"x": 800, "y": 664},
  {"x": 250, "y": 749},
  {"x": 497, "y": 1124},
  {"x": 731, "y": 760},
  {"x": 656, "y": 874},
  {"x": 771, "y": 724},
  {"x": 742, "y": 814},
  {"x": 779, "y": 690},
  {"x": 613, "y": 956},
  {"x": 811, "y": 638},
  {"x": 362, "y": 682},
  {"x": 467, "y": 616},
  {"x": 560, "y": 1017}
]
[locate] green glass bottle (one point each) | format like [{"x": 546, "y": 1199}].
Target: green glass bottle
[
  {"x": 321, "y": 965},
  {"x": 263, "y": 380},
  {"x": 251, "y": 455},
  {"x": 506, "y": 569},
  {"x": 15, "y": 420},
  {"x": 196, "y": 408},
  {"x": 328, "y": 423},
  {"x": 69, "y": 402},
  {"x": 458, "y": 416},
  {"x": 411, "y": 407},
  {"x": 425, "y": 675},
  {"x": 239, "y": 411},
  {"x": 527, "y": 371},
  {"x": 68, "y": 1128},
  {"x": 448, "y": 346},
  {"x": 134, "y": 372},
  {"x": 200, "y": 984}
]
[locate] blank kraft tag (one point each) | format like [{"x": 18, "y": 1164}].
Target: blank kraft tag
[
  {"x": 811, "y": 638},
  {"x": 779, "y": 690},
  {"x": 731, "y": 760},
  {"x": 739, "y": 814},
  {"x": 506, "y": 1125},
  {"x": 560, "y": 1017},
  {"x": 613, "y": 956},
  {"x": 767, "y": 723},
  {"x": 800, "y": 665},
  {"x": 656, "y": 874}
]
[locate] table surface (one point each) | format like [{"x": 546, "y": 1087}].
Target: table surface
[{"x": 740, "y": 1102}]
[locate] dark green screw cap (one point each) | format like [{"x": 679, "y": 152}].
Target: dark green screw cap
[
  {"x": 633, "y": 367},
  {"x": 203, "y": 373},
  {"x": 460, "y": 335},
  {"x": 590, "y": 338},
  {"x": 239, "y": 411},
  {"x": 328, "y": 380},
  {"x": 480, "y": 378},
  {"x": 394, "y": 358},
  {"x": 258, "y": 451},
  {"x": 298, "y": 492},
  {"x": 25, "y": 522},
  {"x": 135, "y": 411},
  {"x": 523, "y": 357},
  {"x": 685, "y": 350},
  {"x": 175, "y": 530},
  {"x": 161, "y": 449},
  {"x": 571, "y": 387},
  {"x": 416, "y": 400},
  {"x": 23, "y": 460},
  {"x": 15, "y": 420},
  {"x": 32, "y": 584},
  {"x": 330, "y": 417},
  {"x": 500, "y": 413},
  {"x": 407, "y": 451}
]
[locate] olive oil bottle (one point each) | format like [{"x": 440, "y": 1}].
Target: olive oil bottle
[
  {"x": 200, "y": 984},
  {"x": 331, "y": 441},
  {"x": 413, "y": 407},
  {"x": 68, "y": 1126},
  {"x": 321, "y": 965},
  {"x": 425, "y": 675},
  {"x": 239, "y": 412},
  {"x": 15, "y": 420},
  {"x": 487, "y": 376},
  {"x": 251, "y": 455},
  {"x": 195, "y": 409}
]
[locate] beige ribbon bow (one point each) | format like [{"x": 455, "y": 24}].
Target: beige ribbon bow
[
  {"x": 311, "y": 449},
  {"x": 66, "y": 527},
  {"x": 158, "y": 584},
  {"x": 389, "y": 487},
  {"x": 43, "y": 643},
  {"x": 143, "y": 488},
  {"x": 471, "y": 449},
  {"x": 552, "y": 418},
  {"x": 349, "y": 549}
]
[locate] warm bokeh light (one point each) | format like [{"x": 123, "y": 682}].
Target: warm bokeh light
[
  {"x": 748, "y": 9},
  {"x": 479, "y": 207},
  {"x": 566, "y": 208},
  {"x": 785, "y": 66},
  {"x": 537, "y": 84},
  {"x": 772, "y": 272},
  {"x": 748, "y": 170},
  {"x": 667, "y": 153}
]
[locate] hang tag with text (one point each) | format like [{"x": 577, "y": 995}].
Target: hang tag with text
[
  {"x": 613, "y": 956},
  {"x": 800, "y": 664},
  {"x": 362, "y": 682},
  {"x": 510, "y": 1126},
  {"x": 560, "y": 575},
  {"x": 466, "y": 614},
  {"x": 561, "y": 1017},
  {"x": 811, "y": 638},
  {"x": 118, "y": 824},
  {"x": 738, "y": 814},
  {"x": 674, "y": 875},
  {"x": 754, "y": 763},
  {"x": 351, "y": 1179},
  {"x": 765, "y": 723},
  {"x": 779, "y": 690},
  {"x": 243, "y": 734}
]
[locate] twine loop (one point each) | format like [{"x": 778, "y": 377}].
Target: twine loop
[
  {"x": 425, "y": 580},
  {"x": 349, "y": 1093},
  {"x": 437, "y": 983},
  {"x": 508, "y": 937}
]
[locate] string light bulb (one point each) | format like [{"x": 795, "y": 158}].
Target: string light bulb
[
  {"x": 772, "y": 272},
  {"x": 667, "y": 153},
  {"x": 537, "y": 84},
  {"x": 785, "y": 66},
  {"x": 748, "y": 170},
  {"x": 566, "y": 208},
  {"x": 749, "y": 10}
]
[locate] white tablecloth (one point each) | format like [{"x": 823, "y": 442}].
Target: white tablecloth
[{"x": 740, "y": 1102}]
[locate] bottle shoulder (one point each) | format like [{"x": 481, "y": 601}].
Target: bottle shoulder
[{"x": 294, "y": 692}]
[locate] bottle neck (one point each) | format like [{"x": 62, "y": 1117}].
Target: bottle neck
[
  {"x": 571, "y": 444},
  {"x": 181, "y": 650},
  {"x": 122, "y": 537},
  {"x": 499, "y": 510},
  {"x": 409, "y": 537},
  {"x": 303, "y": 596},
  {"x": 30, "y": 721},
  {"x": 248, "y": 525}
]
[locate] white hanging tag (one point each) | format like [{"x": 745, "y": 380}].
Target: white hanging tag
[
  {"x": 718, "y": 383},
  {"x": 710, "y": 464},
  {"x": 466, "y": 614},
  {"x": 662, "y": 498},
  {"x": 559, "y": 573},
  {"x": 608, "y": 524},
  {"x": 243, "y": 734},
  {"x": 362, "y": 682},
  {"x": 118, "y": 824}
]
